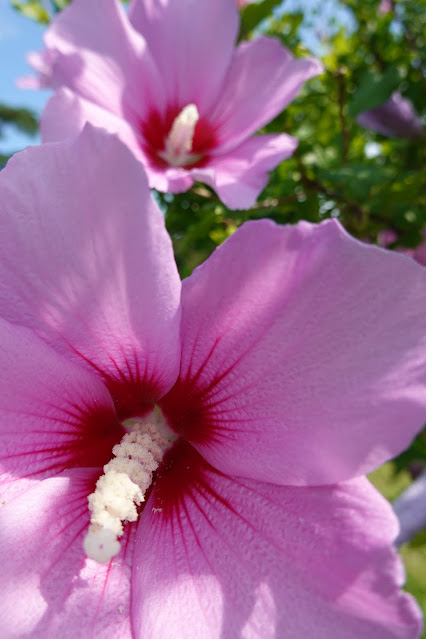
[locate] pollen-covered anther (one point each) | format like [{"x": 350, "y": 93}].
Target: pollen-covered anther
[
  {"x": 178, "y": 144},
  {"x": 121, "y": 489}
]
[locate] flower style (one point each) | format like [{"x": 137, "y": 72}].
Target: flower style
[
  {"x": 169, "y": 81},
  {"x": 394, "y": 118},
  {"x": 285, "y": 366}
]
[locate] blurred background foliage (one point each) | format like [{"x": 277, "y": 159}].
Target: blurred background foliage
[
  {"x": 20, "y": 118},
  {"x": 370, "y": 182}
]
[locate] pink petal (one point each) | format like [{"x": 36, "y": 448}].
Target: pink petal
[
  {"x": 86, "y": 261},
  {"x": 66, "y": 114},
  {"x": 224, "y": 557},
  {"x": 42, "y": 62},
  {"x": 241, "y": 174},
  {"x": 303, "y": 355},
  {"x": 53, "y": 414},
  {"x": 192, "y": 43},
  {"x": 262, "y": 80},
  {"x": 102, "y": 58},
  {"x": 49, "y": 588}
]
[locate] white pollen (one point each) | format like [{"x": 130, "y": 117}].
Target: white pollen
[
  {"x": 178, "y": 146},
  {"x": 101, "y": 545},
  {"x": 121, "y": 489}
]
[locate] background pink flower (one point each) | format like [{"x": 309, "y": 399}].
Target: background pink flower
[
  {"x": 410, "y": 508},
  {"x": 287, "y": 367},
  {"x": 170, "y": 82},
  {"x": 394, "y": 118}
]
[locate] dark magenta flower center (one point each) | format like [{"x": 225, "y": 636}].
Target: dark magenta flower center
[{"x": 178, "y": 137}]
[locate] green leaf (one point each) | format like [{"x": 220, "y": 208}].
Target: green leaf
[
  {"x": 19, "y": 117},
  {"x": 32, "y": 9},
  {"x": 374, "y": 90},
  {"x": 60, "y": 4},
  {"x": 253, "y": 14}
]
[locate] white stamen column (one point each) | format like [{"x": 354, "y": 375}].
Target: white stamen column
[
  {"x": 178, "y": 146},
  {"x": 122, "y": 488}
]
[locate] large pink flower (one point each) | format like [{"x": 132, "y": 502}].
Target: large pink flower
[
  {"x": 169, "y": 81},
  {"x": 286, "y": 366}
]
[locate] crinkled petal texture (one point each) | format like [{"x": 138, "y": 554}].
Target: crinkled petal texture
[
  {"x": 49, "y": 588},
  {"x": 301, "y": 364},
  {"x": 222, "y": 558},
  {"x": 86, "y": 262}
]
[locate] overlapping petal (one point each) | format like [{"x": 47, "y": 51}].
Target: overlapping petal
[
  {"x": 240, "y": 175},
  {"x": 225, "y": 557},
  {"x": 262, "y": 80},
  {"x": 103, "y": 59},
  {"x": 49, "y": 588},
  {"x": 192, "y": 43},
  {"x": 86, "y": 261},
  {"x": 298, "y": 365},
  {"x": 66, "y": 113}
]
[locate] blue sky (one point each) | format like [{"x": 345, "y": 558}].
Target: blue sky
[{"x": 18, "y": 35}]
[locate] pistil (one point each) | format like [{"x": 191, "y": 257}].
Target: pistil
[
  {"x": 122, "y": 488},
  {"x": 178, "y": 144}
]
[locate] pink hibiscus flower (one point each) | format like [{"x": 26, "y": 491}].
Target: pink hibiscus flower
[
  {"x": 169, "y": 81},
  {"x": 285, "y": 366},
  {"x": 395, "y": 118}
]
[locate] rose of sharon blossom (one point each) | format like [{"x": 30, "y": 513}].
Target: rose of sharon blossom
[
  {"x": 385, "y": 6},
  {"x": 394, "y": 118},
  {"x": 170, "y": 82},
  {"x": 285, "y": 367}
]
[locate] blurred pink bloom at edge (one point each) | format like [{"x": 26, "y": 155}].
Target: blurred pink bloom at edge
[{"x": 394, "y": 118}]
